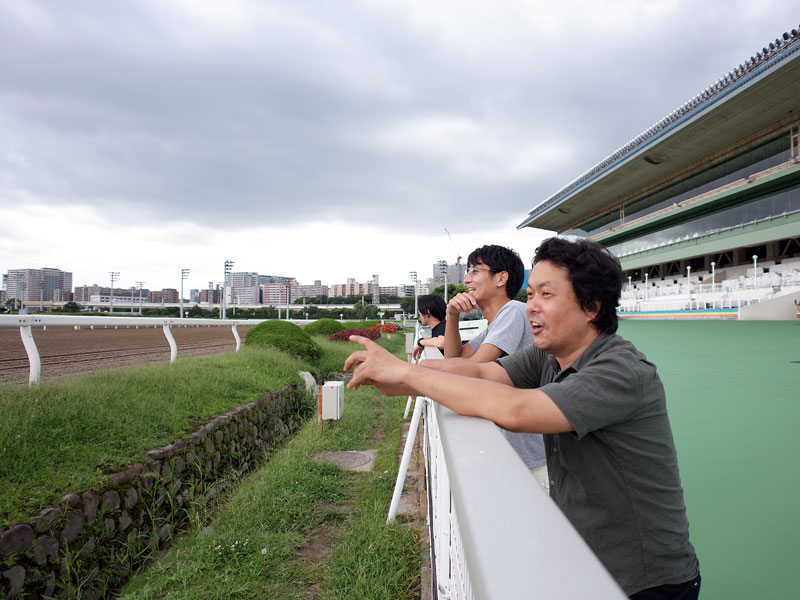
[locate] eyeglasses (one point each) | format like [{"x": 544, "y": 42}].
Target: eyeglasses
[{"x": 473, "y": 270}]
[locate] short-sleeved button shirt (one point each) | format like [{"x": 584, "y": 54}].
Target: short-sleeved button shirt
[{"x": 616, "y": 476}]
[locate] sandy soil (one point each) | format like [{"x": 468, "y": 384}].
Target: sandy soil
[{"x": 70, "y": 351}]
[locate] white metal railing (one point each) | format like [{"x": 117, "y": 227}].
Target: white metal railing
[
  {"x": 26, "y": 323},
  {"x": 494, "y": 533}
]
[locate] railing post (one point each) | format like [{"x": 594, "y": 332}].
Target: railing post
[
  {"x": 236, "y": 336},
  {"x": 26, "y": 333},
  {"x": 409, "y": 447},
  {"x": 173, "y": 347}
]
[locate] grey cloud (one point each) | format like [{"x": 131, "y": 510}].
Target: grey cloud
[{"x": 124, "y": 106}]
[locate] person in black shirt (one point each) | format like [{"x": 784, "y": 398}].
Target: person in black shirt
[{"x": 432, "y": 313}]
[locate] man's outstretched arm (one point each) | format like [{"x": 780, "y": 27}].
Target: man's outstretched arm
[{"x": 511, "y": 408}]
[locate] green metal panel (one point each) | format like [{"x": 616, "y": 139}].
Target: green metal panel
[
  {"x": 690, "y": 210},
  {"x": 777, "y": 228}
]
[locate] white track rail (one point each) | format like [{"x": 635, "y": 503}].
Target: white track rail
[{"x": 26, "y": 323}]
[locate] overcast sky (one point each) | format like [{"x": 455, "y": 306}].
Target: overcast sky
[{"x": 326, "y": 139}]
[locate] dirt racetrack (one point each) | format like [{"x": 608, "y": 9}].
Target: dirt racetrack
[{"x": 70, "y": 351}]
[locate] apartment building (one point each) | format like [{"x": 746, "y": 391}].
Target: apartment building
[{"x": 34, "y": 285}]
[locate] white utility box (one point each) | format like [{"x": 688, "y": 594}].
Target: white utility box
[{"x": 332, "y": 400}]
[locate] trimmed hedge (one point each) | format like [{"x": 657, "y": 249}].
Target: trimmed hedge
[
  {"x": 324, "y": 327},
  {"x": 284, "y": 336}
]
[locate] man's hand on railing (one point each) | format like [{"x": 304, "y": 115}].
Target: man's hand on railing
[
  {"x": 377, "y": 367},
  {"x": 435, "y": 342}
]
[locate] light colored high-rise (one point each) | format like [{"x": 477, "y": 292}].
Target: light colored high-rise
[{"x": 34, "y": 285}]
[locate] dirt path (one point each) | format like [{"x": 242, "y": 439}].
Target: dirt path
[{"x": 70, "y": 351}]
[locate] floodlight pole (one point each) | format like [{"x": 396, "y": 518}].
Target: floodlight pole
[
  {"x": 114, "y": 276},
  {"x": 224, "y": 299},
  {"x": 414, "y": 279},
  {"x": 184, "y": 275},
  {"x": 140, "y": 284},
  {"x": 443, "y": 270}
]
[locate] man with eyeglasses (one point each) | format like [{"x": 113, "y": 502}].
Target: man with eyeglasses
[{"x": 494, "y": 276}]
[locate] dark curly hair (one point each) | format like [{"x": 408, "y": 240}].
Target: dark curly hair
[
  {"x": 432, "y": 305},
  {"x": 594, "y": 272},
  {"x": 500, "y": 258}
]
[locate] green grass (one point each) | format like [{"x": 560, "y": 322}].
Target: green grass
[
  {"x": 252, "y": 551},
  {"x": 733, "y": 395},
  {"x": 67, "y": 435}
]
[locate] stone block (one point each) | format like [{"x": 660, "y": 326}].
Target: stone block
[
  {"x": 90, "y": 502},
  {"x": 148, "y": 480},
  {"x": 16, "y": 539},
  {"x": 160, "y": 453},
  {"x": 73, "y": 526},
  {"x": 72, "y": 500},
  {"x": 131, "y": 497},
  {"x": 88, "y": 547},
  {"x": 50, "y": 586},
  {"x": 119, "y": 479},
  {"x": 46, "y": 519},
  {"x": 15, "y": 579},
  {"x": 179, "y": 465},
  {"x": 111, "y": 501},
  {"x": 45, "y": 551},
  {"x": 164, "y": 532},
  {"x": 109, "y": 526},
  {"x": 125, "y": 521},
  {"x": 166, "y": 471}
]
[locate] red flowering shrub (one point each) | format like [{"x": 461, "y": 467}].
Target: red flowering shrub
[
  {"x": 344, "y": 336},
  {"x": 389, "y": 328}
]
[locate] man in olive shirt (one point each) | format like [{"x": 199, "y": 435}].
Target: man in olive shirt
[{"x": 611, "y": 456}]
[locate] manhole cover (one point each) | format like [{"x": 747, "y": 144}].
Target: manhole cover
[{"x": 351, "y": 460}]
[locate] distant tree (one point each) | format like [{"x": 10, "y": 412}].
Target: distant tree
[
  {"x": 407, "y": 305},
  {"x": 71, "y": 307},
  {"x": 195, "y": 312},
  {"x": 522, "y": 296},
  {"x": 452, "y": 290}
]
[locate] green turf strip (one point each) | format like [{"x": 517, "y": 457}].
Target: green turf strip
[{"x": 733, "y": 393}]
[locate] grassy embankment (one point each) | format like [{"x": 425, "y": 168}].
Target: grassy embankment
[{"x": 67, "y": 435}]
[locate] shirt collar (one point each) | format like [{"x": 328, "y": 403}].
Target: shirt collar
[{"x": 593, "y": 350}]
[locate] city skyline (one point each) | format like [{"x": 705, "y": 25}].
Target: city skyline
[{"x": 250, "y": 288}]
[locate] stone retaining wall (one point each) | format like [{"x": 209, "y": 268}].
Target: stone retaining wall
[{"x": 89, "y": 544}]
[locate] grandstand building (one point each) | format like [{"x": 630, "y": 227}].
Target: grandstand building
[{"x": 703, "y": 208}]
